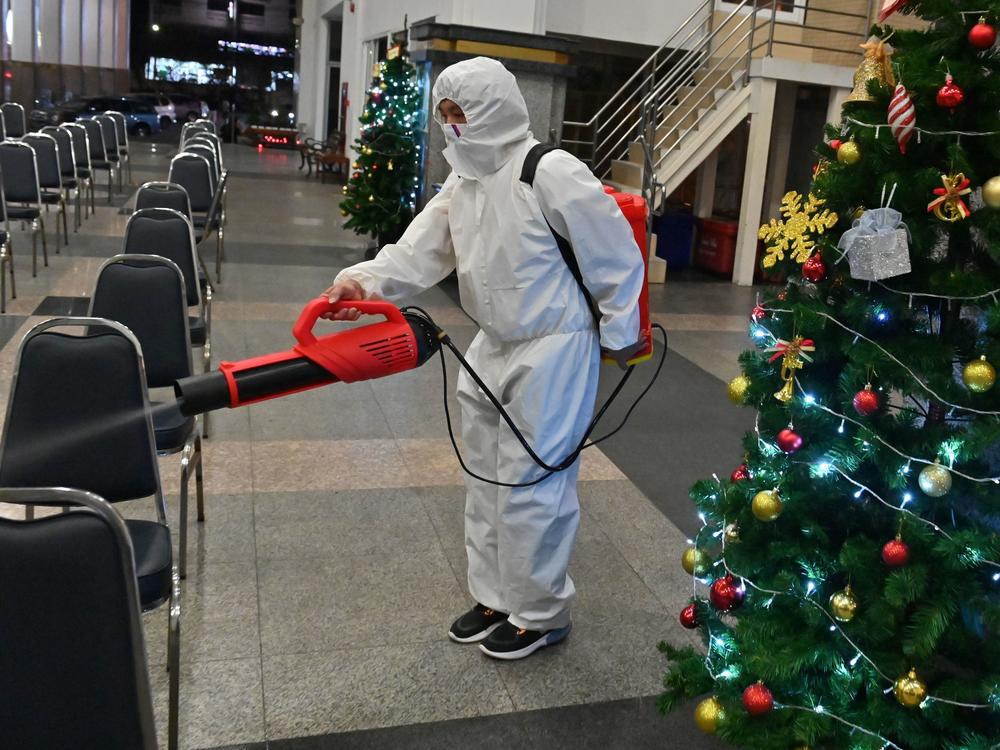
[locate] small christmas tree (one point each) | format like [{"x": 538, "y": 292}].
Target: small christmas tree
[
  {"x": 381, "y": 193},
  {"x": 847, "y": 577}
]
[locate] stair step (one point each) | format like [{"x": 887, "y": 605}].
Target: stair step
[
  {"x": 683, "y": 116},
  {"x": 636, "y": 156},
  {"x": 626, "y": 173}
]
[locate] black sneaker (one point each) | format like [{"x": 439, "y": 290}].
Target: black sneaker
[
  {"x": 509, "y": 642},
  {"x": 476, "y": 624}
]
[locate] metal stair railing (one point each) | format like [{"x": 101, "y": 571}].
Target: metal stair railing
[{"x": 619, "y": 118}]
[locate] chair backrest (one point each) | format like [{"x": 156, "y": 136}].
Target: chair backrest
[
  {"x": 146, "y": 294},
  {"x": 167, "y": 233},
  {"x": 207, "y": 139},
  {"x": 207, "y": 125},
  {"x": 15, "y": 122},
  {"x": 121, "y": 131},
  {"x": 110, "y": 132},
  {"x": 190, "y": 129},
  {"x": 64, "y": 145},
  {"x": 95, "y": 140},
  {"x": 3, "y": 127},
  {"x": 78, "y": 413},
  {"x": 74, "y": 662},
  {"x": 163, "y": 195},
  {"x": 47, "y": 159},
  {"x": 20, "y": 173},
  {"x": 206, "y": 150},
  {"x": 194, "y": 173},
  {"x": 81, "y": 144}
]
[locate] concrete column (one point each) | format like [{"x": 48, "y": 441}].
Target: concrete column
[
  {"x": 837, "y": 97},
  {"x": 754, "y": 178},
  {"x": 704, "y": 205},
  {"x": 781, "y": 144}
]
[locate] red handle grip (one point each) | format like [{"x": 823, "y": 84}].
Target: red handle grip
[{"x": 303, "y": 328}]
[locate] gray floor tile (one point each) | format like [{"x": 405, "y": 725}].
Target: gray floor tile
[
  {"x": 358, "y": 689},
  {"x": 220, "y": 702}
]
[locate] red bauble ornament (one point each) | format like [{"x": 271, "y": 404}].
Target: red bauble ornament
[
  {"x": 896, "y": 553},
  {"x": 950, "y": 95},
  {"x": 758, "y": 700},
  {"x": 740, "y": 473},
  {"x": 836, "y": 143},
  {"x": 758, "y": 313},
  {"x": 814, "y": 269},
  {"x": 689, "y": 617},
  {"x": 982, "y": 35},
  {"x": 866, "y": 402},
  {"x": 789, "y": 440},
  {"x": 726, "y": 594}
]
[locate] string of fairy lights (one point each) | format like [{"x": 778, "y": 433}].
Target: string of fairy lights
[{"x": 826, "y": 468}]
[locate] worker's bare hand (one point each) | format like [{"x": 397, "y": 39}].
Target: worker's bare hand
[
  {"x": 340, "y": 291},
  {"x": 622, "y": 356}
]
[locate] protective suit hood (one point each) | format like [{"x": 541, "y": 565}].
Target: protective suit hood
[{"x": 497, "y": 117}]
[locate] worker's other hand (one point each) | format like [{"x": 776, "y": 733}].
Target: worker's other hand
[
  {"x": 340, "y": 291},
  {"x": 622, "y": 356}
]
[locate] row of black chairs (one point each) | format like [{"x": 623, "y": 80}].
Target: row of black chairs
[
  {"x": 40, "y": 169},
  {"x": 199, "y": 168}
]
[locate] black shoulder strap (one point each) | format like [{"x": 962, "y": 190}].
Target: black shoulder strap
[{"x": 565, "y": 248}]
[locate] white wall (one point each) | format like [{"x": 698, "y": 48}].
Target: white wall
[
  {"x": 49, "y": 18},
  {"x": 23, "y": 42},
  {"x": 106, "y": 54},
  {"x": 71, "y": 32},
  {"x": 640, "y": 21},
  {"x": 91, "y": 19}
]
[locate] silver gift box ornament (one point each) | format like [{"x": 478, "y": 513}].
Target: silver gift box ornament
[{"x": 877, "y": 246}]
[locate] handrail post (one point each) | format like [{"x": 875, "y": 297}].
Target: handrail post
[
  {"x": 750, "y": 36},
  {"x": 770, "y": 31}
]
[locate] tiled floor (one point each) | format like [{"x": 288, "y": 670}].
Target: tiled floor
[{"x": 331, "y": 561}]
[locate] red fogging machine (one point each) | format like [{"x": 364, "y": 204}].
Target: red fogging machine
[{"x": 401, "y": 342}]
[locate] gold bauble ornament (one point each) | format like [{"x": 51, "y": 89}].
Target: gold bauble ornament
[
  {"x": 910, "y": 690},
  {"x": 737, "y": 389},
  {"x": 767, "y": 505},
  {"x": 732, "y": 534},
  {"x": 849, "y": 154},
  {"x": 695, "y": 561},
  {"x": 979, "y": 375},
  {"x": 991, "y": 192},
  {"x": 709, "y": 714},
  {"x": 935, "y": 480},
  {"x": 843, "y": 605}
]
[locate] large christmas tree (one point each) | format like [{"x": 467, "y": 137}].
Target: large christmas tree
[
  {"x": 382, "y": 191},
  {"x": 847, "y": 577}
]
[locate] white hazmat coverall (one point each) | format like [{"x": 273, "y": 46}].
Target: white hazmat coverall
[{"x": 537, "y": 350}]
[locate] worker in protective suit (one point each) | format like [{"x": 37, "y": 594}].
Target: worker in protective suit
[{"x": 537, "y": 349}]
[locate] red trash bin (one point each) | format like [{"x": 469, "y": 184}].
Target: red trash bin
[{"x": 716, "y": 248}]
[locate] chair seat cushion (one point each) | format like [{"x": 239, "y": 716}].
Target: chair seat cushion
[
  {"x": 202, "y": 278},
  {"x": 23, "y": 213},
  {"x": 153, "y": 561},
  {"x": 100, "y": 164},
  {"x": 69, "y": 183},
  {"x": 199, "y": 221},
  {"x": 197, "y": 329},
  {"x": 51, "y": 199},
  {"x": 170, "y": 427},
  {"x": 82, "y": 173}
]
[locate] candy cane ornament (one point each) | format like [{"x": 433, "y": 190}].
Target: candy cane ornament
[{"x": 902, "y": 117}]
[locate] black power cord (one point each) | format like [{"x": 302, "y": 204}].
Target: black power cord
[{"x": 569, "y": 460}]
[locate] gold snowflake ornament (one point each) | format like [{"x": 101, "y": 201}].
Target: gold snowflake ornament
[{"x": 792, "y": 234}]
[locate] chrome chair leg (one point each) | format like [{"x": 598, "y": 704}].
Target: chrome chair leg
[
  {"x": 45, "y": 244},
  {"x": 199, "y": 480},
  {"x": 185, "y": 478},
  {"x": 62, "y": 210},
  {"x": 174, "y": 661}
]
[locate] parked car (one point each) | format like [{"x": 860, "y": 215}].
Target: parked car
[
  {"x": 188, "y": 108},
  {"x": 163, "y": 106},
  {"x": 141, "y": 118}
]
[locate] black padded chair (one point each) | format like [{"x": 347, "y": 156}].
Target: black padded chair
[
  {"x": 163, "y": 195},
  {"x": 71, "y": 606},
  {"x": 50, "y": 178},
  {"x": 15, "y": 123},
  {"x": 79, "y": 416},
  {"x": 191, "y": 128},
  {"x": 22, "y": 195},
  {"x": 208, "y": 125},
  {"x": 146, "y": 293},
  {"x": 81, "y": 160},
  {"x": 209, "y": 139},
  {"x": 121, "y": 131},
  {"x": 67, "y": 165},
  {"x": 165, "y": 232},
  {"x": 194, "y": 146},
  {"x": 193, "y": 172},
  {"x": 6, "y": 255},
  {"x": 109, "y": 129},
  {"x": 100, "y": 151}
]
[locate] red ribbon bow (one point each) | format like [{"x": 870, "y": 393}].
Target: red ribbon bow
[
  {"x": 794, "y": 347},
  {"x": 954, "y": 187}
]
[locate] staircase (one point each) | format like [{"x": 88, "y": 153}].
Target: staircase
[{"x": 686, "y": 98}]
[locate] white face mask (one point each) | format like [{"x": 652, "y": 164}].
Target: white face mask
[{"x": 452, "y": 132}]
